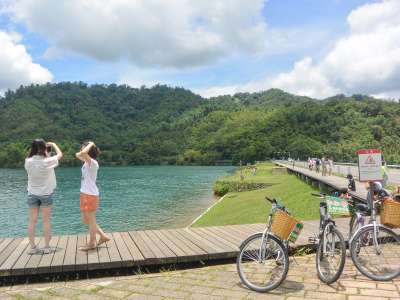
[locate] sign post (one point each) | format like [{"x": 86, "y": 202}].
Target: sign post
[{"x": 370, "y": 165}]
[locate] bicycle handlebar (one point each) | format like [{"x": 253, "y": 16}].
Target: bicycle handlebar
[
  {"x": 277, "y": 204},
  {"x": 270, "y": 200},
  {"x": 320, "y": 195}
]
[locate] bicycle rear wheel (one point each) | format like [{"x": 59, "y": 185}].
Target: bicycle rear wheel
[
  {"x": 379, "y": 260},
  {"x": 262, "y": 270},
  {"x": 331, "y": 255}
]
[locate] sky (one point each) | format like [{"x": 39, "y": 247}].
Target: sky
[{"x": 316, "y": 48}]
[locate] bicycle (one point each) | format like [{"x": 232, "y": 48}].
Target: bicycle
[
  {"x": 331, "y": 250},
  {"x": 263, "y": 259},
  {"x": 375, "y": 248},
  {"x": 359, "y": 212}
]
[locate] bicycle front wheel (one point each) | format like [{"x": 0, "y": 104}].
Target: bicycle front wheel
[
  {"x": 353, "y": 226},
  {"x": 331, "y": 255},
  {"x": 262, "y": 264},
  {"x": 376, "y": 253}
]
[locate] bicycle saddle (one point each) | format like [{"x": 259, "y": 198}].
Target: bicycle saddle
[
  {"x": 363, "y": 208},
  {"x": 383, "y": 193}
]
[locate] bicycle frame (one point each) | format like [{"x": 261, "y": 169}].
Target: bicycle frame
[
  {"x": 325, "y": 222},
  {"x": 267, "y": 232},
  {"x": 360, "y": 219},
  {"x": 372, "y": 223}
]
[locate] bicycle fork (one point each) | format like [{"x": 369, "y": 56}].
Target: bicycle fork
[
  {"x": 325, "y": 240},
  {"x": 263, "y": 249},
  {"x": 375, "y": 238},
  {"x": 360, "y": 221}
]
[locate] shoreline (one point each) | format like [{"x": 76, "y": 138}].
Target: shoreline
[
  {"x": 187, "y": 200},
  {"x": 207, "y": 210}
]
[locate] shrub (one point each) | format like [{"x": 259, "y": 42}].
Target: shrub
[{"x": 223, "y": 187}]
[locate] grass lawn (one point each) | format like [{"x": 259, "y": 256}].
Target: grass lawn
[{"x": 251, "y": 207}]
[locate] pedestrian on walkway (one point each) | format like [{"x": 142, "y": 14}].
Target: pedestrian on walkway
[
  {"x": 384, "y": 172},
  {"x": 324, "y": 165},
  {"x": 317, "y": 164},
  {"x": 89, "y": 197},
  {"x": 40, "y": 166},
  {"x": 352, "y": 183},
  {"x": 254, "y": 169},
  {"x": 330, "y": 166}
]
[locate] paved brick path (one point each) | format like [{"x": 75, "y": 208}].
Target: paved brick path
[{"x": 213, "y": 282}]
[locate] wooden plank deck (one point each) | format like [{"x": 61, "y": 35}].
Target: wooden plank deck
[{"x": 136, "y": 248}]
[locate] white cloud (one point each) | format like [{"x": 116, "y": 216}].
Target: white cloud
[
  {"x": 304, "y": 79},
  {"x": 367, "y": 60},
  {"x": 136, "y": 77},
  {"x": 221, "y": 90},
  {"x": 149, "y": 33},
  {"x": 16, "y": 65}
]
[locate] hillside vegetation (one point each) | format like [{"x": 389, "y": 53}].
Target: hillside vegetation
[{"x": 163, "y": 125}]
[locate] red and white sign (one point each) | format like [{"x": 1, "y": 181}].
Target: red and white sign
[{"x": 370, "y": 164}]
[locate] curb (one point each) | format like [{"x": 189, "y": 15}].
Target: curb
[{"x": 207, "y": 210}]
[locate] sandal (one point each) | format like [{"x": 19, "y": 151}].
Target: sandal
[
  {"x": 103, "y": 240},
  {"x": 47, "y": 250},
  {"x": 33, "y": 251},
  {"x": 87, "y": 247}
]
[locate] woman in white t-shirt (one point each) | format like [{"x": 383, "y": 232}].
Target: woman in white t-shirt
[
  {"x": 89, "y": 196},
  {"x": 41, "y": 185}
]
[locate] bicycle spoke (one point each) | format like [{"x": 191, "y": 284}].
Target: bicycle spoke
[
  {"x": 330, "y": 259},
  {"x": 249, "y": 255},
  {"x": 262, "y": 272},
  {"x": 379, "y": 261}
]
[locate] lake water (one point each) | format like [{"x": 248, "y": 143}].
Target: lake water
[{"x": 137, "y": 197}]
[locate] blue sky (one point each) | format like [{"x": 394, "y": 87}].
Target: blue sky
[{"x": 253, "y": 45}]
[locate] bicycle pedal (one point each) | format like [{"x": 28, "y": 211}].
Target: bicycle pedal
[{"x": 313, "y": 240}]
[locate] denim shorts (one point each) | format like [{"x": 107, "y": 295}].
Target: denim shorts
[{"x": 37, "y": 201}]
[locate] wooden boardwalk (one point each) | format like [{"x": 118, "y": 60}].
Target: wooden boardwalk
[
  {"x": 135, "y": 248},
  {"x": 151, "y": 247},
  {"x": 335, "y": 182}
]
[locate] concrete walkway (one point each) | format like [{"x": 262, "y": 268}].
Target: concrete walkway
[
  {"x": 213, "y": 282},
  {"x": 393, "y": 174},
  {"x": 335, "y": 182}
]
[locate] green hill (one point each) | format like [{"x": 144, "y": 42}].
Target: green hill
[{"x": 161, "y": 124}]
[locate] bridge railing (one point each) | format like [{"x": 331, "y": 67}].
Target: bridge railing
[{"x": 391, "y": 166}]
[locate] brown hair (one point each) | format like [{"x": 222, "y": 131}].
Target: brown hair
[
  {"x": 38, "y": 147},
  {"x": 94, "y": 151}
]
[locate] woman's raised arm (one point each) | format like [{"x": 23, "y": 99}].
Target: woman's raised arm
[
  {"x": 83, "y": 154},
  {"x": 57, "y": 149}
]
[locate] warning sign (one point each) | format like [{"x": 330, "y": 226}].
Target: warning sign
[
  {"x": 370, "y": 160},
  {"x": 370, "y": 164}
]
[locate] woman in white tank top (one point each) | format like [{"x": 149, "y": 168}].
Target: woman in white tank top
[{"x": 89, "y": 196}]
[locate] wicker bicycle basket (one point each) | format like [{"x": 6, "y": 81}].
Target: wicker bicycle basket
[
  {"x": 390, "y": 213},
  {"x": 283, "y": 224}
]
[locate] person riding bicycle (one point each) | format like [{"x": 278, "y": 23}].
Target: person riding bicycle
[{"x": 352, "y": 183}]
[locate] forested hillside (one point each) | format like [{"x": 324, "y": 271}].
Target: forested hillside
[{"x": 163, "y": 125}]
